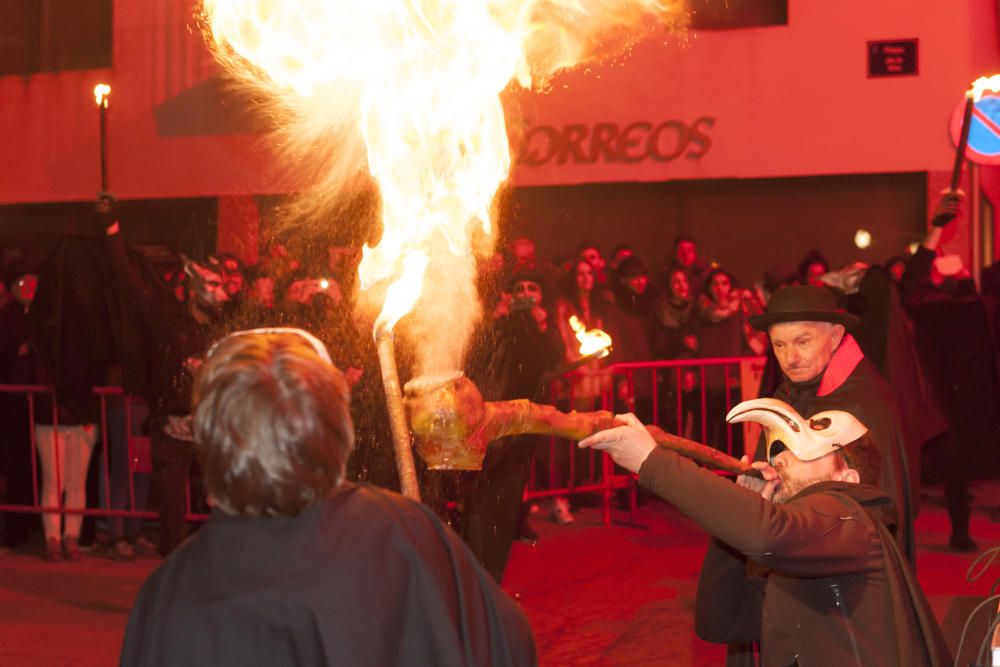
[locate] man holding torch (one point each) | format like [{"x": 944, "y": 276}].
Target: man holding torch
[{"x": 819, "y": 525}]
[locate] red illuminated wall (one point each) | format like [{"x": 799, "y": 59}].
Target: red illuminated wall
[{"x": 767, "y": 102}]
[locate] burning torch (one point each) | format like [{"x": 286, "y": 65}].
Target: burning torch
[
  {"x": 972, "y": 95},
  {"x": 102, "y": 93},
  {"x": 594, "y": 344}
]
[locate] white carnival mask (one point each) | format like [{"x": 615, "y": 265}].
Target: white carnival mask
[{"x": 808, "y": 439}]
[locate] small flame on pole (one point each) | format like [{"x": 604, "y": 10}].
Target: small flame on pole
[
  {"x": 593, "y": 342},
  {"x": 102, "y": 92}
]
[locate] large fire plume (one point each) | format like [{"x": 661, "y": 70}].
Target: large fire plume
[{"x": 419, "y": 81}]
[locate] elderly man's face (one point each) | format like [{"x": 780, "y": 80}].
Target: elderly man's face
[{"x": 804, "y": 349}]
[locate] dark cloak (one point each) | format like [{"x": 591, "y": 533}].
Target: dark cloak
[
  {"x": 73, "y": 317},
  {"x": 364, "y": 578},
  {"x": 508, "y": 360},
  {"x": 886, "y": 336},
  {"x": 865, "y": 395}
]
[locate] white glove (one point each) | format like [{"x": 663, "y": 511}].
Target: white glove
[{"x": 628, "y": 445}]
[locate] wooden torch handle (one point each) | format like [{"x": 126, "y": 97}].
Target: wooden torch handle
[{"x": 522, "y": 416}]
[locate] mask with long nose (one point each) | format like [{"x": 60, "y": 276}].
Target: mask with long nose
[{"x": 807, "y": 438}]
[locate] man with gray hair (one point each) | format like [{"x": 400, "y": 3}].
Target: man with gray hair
[
  {"x": 297, "y": 566},
  {"x": 823, "y": 369}
]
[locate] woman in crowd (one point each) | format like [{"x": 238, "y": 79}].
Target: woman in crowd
[
  {"x": 591, "y": 380},
  {"x": 724, "y": 331},
  {"x": 578, "y": 300},
  {"x": 675, "y": 337}
]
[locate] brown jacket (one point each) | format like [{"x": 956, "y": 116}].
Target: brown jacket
[{"x": 839, "y": 591}]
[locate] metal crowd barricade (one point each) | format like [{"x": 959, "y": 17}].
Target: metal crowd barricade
[
  {"x": 685, "y": 396},
  {"x": 690, "y": 397},
  {"x": 137, "y": 451}
]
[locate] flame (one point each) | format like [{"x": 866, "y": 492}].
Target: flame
[
  {"x": 420, "y": 81},
  {"x": 102, "y": 92},
  {"x": 592, "y": 341},
  {"x": 982, "y": 84}
]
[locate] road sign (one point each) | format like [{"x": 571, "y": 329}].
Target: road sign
[{"x": 984, "y": 129}]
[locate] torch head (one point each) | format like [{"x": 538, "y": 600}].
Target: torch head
[{"x": 447, "y": 416}]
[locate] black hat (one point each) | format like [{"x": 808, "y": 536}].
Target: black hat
[
  {"x": 803, "y": 303},
  {"x": 528, "y": 275},
  {"x": 631, "y": 267}
]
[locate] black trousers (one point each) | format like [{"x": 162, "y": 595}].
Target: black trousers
[
  {"x": 493, "y": 502},
  {"x": 173, "y": 461}
]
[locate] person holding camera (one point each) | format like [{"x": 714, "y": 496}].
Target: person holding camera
[{"x": 510, "y": 360}]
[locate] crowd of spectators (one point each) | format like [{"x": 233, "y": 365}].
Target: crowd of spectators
[{"x": 686, "y": 307}]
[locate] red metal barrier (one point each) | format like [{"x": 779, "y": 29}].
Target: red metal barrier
[
  {"x": 137, "y": 448},
  {"x": 699, "y": 391},
  {"x": 678, "y": 394}
]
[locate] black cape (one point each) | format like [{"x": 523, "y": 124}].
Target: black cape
[
  {"x": 866, "y": 395},
  {"x": 851, "y": 383},
  {"x": 366, "y": 577}
]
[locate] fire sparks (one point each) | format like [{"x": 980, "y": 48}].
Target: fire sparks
[
  {"x": 592, "y": 341},
  {"x": 420, "y": 81}
]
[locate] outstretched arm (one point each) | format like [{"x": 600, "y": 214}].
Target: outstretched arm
[{"x": 812, "y": 536}]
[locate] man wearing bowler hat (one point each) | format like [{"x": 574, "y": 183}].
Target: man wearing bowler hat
[{"x": 823, "y": 369}]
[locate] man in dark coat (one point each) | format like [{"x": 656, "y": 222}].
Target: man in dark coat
[
  {"x": 509, "y": 360},
  {"x": 295, "y": 565},
  {"x": 823, "y": 368},
  {"x": 836, "y": 589},
  {"x": 177, "y": 335}
]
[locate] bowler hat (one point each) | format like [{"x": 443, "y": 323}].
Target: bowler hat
[{"x": 803, "y": 303}]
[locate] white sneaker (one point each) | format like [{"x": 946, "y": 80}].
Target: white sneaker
[{"x": 561, "y": 513}]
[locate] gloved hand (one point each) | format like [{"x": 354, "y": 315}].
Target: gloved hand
[
  {"x": 628, "y": 445},
  {"x": 947, "y": 207}
]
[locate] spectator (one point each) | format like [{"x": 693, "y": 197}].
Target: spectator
[
  {"x": 577, "y": 299},
  {"x": 686, "y": 258},
  {"x": 591, "y": 252},
  {"x": 175, "y": 277},
  {"x": 675, "y": 337},
  {"x": 15, "y": 441},
  {"x": 297, "y": 566},
  {"x": 632, "y": 329},
  {"x": 590, "y": 380},
  {"x": 724, "y": 331},
  {"x": 179, "y": 334},
  {"x": 509, "y": 360},
  {"x": 952, "y": 334},
  {"x": 261, "y": 293},
  {"x": 812, "y": 267},
  {"x": 896, "y": 266},
  {"x": 65, "y": 420},
  {"x": 620, "y": 253},
  {"x": 521, "y": 256},
  {"x": 676, "y": 319}
]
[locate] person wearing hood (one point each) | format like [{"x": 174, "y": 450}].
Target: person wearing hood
[{"x": 830, "y": 574}]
